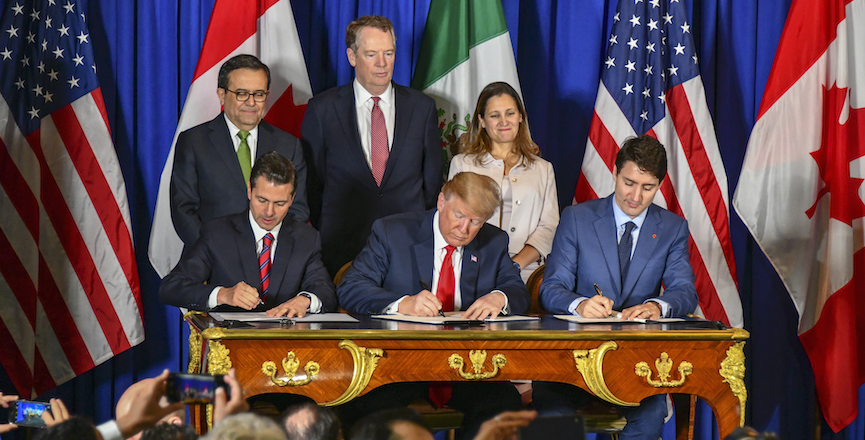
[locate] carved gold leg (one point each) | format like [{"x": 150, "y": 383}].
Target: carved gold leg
[
  {"x": 733, "y": 372},
  {"x": 590, "y": 364},
  {"x": 365, "y": 362},
  {"x": 218, "y": 362}
]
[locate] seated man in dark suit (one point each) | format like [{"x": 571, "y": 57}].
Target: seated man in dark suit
[
  {"x": 212, "y": 161},
  {"x": 256, "y": 259},
  {"x": 466, "y": 262},
  {"x": 613, "y": 254}
]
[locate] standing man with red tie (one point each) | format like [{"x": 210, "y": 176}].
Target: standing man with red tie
[
  {"x": 466, "y": 263},
  {"x": 372, "y": 146}
]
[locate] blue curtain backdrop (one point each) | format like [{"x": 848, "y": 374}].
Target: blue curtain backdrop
[{"x": 147, "y": 51}]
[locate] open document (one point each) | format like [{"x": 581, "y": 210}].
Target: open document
[
  {"x": 615, "y": 320},
  {"x": 453, "y": 318},
  {"x": 262, "y": 317}
]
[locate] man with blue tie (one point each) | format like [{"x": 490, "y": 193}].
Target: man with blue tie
[{"x": 614, "y": 254}]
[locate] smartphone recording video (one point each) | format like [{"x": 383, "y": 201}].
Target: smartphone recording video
[
  {"x": 27, "y": 413},
  {"x": 194, "y": 388}
]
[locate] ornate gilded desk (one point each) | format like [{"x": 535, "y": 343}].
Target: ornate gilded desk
[{"x": 336, "y": 362}]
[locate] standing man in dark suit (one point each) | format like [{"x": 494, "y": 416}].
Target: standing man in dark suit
[
  {"x": 213, "y": 160},
  {"x": 613, "y": 254},
  {"x": 257, "y": 259},
  {"x": 372, "y": 146},
  {"x": 466, "y": 263}
]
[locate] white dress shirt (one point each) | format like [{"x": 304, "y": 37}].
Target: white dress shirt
[{"x": 363, "y": 104}]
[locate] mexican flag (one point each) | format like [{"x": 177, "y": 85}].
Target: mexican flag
[{"x": 466, "y": 45}]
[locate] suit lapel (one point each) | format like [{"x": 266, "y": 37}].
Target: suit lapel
[
  {"x": 469, "y": 274},
  {"x": 223, "y": 147},
  {"x": 423, "y": 252},
  {"x": 284, "y": 249},
  {"x": 246, "y": 251},
  {"x": 265, "y": 137},
  {"x": 403, "y": 109},
  {"x": 347, "y": 114},
  {"x": 605, "y": 229},
  {"x": 645, "y": 248}
]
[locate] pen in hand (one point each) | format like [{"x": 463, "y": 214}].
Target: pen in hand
[
  {"x": 598, "y": 289},
  {"x": 424, "y": 286}
]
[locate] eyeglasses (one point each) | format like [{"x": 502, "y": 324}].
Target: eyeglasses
[{"x": 243, "y": 95}]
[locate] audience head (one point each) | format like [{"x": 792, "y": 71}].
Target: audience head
[
  {"x": 465, "y": 203},
  {"x": 242, "y": 88},
  {"x": 371, "y": 50},
  {"x": 167, "y": 431},
  {"x": 391, "y": 424},
  {"x": 641, "y": 165},
  {"x": 499, "y": 118},
  {"x": 308, "y": 421},
  {"x": 75, "y": 427},
  {"x": 272, "y": 184},
  {"x": 246, "y": 426},
  {"x": 749, "y": 433}
]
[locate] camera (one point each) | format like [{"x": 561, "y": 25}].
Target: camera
[
  {"x": 194, "y": 388},
  {"x": 27, "y": 413}
]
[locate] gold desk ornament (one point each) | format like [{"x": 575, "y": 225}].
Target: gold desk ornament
[
  {"x": 664, "y": 365},
  {"x": 289, "y": 365},
  {"x": 733, "y": 372},
  {"x": 590, "y": 364},
  {"x": 478, "y": 357},
  {"x": 365, "y": 362},
  {"x": 218, "y": 362},
  {"x": 194, "y": 344}
]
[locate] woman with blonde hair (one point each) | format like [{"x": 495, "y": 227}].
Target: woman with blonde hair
[{"x": 498, "y": 145}]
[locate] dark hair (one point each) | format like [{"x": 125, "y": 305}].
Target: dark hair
[
  {"x": 352, "y": 31},
  {"x": 377, "y": 426},
  {"x": 749, "y": 433},
  {"x": 646, "y": 152},
  {"x": 477, "y": 141},
  {"x": 168, "y": 431},
  {"x": 242, "y": 61},
  {"x": 276, "y": 169},
  {"x": 323, "y": 425},
  {"x": 75, "y": 427}
]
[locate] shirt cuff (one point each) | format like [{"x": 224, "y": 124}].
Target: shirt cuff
[
  {"x": 665, "y": 308},
  {"x": 211, "y": 300},
  {"x": 110, "y": 431},
  {"x": 572, "y": 308},
  {"x": 393, "y": 308},
  {"x": 314, "y": 302},
  {"x": 505, "y": 310}
]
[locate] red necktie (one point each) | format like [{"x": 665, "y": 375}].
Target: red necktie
[
  {"x": 447, "y": 284},
  {"x": 379, "y": 151},
  {"x": 264, "y": 265},
  {"x": 440, "y": 392}
]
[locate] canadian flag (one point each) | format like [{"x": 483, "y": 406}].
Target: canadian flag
[
  {"x": 264, "y": 28},
  {"x": 801, "y": 194}
]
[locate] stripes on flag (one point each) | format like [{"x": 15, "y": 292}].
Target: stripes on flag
[
  {"x": 651, "y": 84},
  {"x": 69, "y": 292}
]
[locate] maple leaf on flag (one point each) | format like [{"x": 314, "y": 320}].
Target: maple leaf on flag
[
  {"x": 285, "y": 114},
  {"x": 841, "y": 144}
]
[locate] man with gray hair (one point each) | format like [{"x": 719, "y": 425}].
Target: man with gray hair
[
  {"x": 442, "y": 260},
  {"x": 308, "y": 421}
]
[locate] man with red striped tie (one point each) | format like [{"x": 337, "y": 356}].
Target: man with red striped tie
[{"x": 258, "y": 259}]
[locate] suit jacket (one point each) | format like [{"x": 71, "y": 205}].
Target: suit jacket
[
  {"x": 400, "y": 254},
  {"x": 344, "y": 198},
  {"x": 585, "y": 252},
  {"x": 225, "y": 254},
  {"x": 207, "y": 183}
]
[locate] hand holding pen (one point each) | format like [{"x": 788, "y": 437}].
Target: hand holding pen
[
  {"x": 424, "y": 286},
  {"x": 597, "y": 306}
]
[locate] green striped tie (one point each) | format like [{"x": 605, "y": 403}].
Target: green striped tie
[{"x": 244, "y": 156}]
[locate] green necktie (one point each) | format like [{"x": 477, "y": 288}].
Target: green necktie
[{"x": 244, "y": 156}]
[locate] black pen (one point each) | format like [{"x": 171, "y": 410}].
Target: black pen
[{"x": 425, "y": 287}]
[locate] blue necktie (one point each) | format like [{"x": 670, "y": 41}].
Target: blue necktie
[{"x": 625, "y": 245}]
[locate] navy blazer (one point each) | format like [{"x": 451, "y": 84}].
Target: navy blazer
[
  {"x": 225, "y": 254},
  {"x": 400, "y": 255},
  {"x": 343, "y": 196},
  {"x": 585, "y": 252},
  {"x": 207, "y": 183}
]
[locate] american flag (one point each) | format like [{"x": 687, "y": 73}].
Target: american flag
[
  {"x": 651, "y": 84},
  {"x": 69, "y": 292}
]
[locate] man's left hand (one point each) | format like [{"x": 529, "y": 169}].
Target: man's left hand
[
  {"x": 649, "y": 310},
  {"x": 487, "y": 306},
  {"x": 295, "y": 307}
]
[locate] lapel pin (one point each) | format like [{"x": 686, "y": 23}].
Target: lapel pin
[
  {"x": 654, "y": 236},
  {"x": 474, "y": 258}
]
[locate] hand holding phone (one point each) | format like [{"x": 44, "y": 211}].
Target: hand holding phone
[
  {"x": 194, "y": 388},
  {"x": 27, "y": 413}
]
